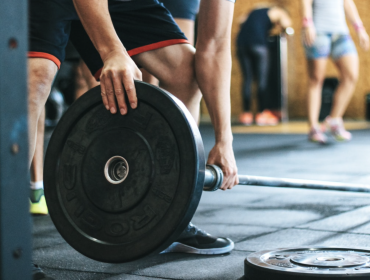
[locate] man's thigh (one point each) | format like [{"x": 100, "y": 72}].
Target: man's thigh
[
  {"x": 142, "y": 26},
  {"x": 171, "y": 62}
]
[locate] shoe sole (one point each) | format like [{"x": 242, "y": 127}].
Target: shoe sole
[
  {"x": 318, "y": 142},
  {"x": 339, "y": 139},
  {"x": 177, "y": 247}
]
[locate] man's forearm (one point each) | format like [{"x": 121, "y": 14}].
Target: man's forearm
[
  {"x": 213, "y": 63},
  {"x": 213, "y": 72},
  {"x": 95, "y": 17}
]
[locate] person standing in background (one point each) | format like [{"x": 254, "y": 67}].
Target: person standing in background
[
  {"x": 253, "y": 55},
  {"x": 325, "y": 33}
]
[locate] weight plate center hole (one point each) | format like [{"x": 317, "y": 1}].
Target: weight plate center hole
[
  {"x": 116, "y": 170},
  {"x": 330, "y": 259}
]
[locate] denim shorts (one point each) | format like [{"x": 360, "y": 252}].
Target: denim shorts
[{"x": 335, "y": 45}]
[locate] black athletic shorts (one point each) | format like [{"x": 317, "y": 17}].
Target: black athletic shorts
[
  {"x": 142, "y": 25},
  {"x": 186, "y": 9}
]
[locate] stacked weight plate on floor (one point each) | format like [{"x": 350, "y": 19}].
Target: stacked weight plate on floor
[
  {"x": 119, "y": 187},
  {"x": 308, "y": 263}
]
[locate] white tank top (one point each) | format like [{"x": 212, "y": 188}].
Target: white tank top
[{"x": 329, "y": 16}]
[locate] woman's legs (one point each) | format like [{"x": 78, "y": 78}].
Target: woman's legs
[
  {"x": 246, "y": 67},
  {"x": 316, "y": 72},
  {"x": 84, "y": 79},
  {"x": 261, "y": 66},
  {"x": 244, "y": 58},
  {"x": 348, "y": 67}
]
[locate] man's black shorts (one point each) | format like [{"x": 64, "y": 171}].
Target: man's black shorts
[
  {"x": 185, "y": 9},
  {"x": 142, "y": 25}
]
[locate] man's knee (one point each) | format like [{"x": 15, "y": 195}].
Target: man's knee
[
  {"x": 180, "y": 70},
  {"x": 184, "y": 77},
  {"x": 41, "y": 73}
]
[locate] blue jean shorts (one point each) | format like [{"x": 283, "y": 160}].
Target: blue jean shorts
[{"x": 335, "y": 45}]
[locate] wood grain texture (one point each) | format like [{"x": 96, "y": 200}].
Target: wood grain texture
[{"x": 297, "y": 76}]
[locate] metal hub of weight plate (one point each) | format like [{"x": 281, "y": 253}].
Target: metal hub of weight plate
[
  {"x": 308, "y": 263},
  {"x": 120, "y": 188}
]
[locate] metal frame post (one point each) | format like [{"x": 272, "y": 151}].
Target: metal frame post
[
  {"x": 15, "y": 223},
  {"x": 284, "y": 78}
]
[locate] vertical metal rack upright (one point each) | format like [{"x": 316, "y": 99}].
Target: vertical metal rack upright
[{"x": 15, "y": 224}]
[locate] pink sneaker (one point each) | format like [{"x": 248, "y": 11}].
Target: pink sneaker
[
  {"x": 317, "y": 136},
  {"x": 337, "y": 129}
]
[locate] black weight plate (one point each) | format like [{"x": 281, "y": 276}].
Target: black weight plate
[
  {"x": 308, "y": 263},
  {"x": 148, "y": 210}
]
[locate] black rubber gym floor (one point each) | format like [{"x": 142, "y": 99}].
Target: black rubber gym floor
[{"x": 256, "y": 218}]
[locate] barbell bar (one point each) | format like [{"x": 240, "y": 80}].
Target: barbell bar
[{"x": 214, "y": 178}]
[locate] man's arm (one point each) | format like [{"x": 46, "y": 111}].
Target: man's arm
[
  {"x": 213, "y": 72},
  {"x": 352, "y": 14},
  {"x": 119, "y": 70}
]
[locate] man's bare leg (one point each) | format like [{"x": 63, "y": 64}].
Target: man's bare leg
[
  {"x": 174, "y": 68},
  {"x": 37, "y": 163},
  {"x": 38, "y": 203},
  {"x": 84, "y": 79},
  {"x": 149, "y": 78},
  {"x": 186, "y": 26},
  {"x": 41, "y": 73}
]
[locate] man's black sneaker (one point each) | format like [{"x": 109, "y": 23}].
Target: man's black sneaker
[
  {"x": 38, "y": 274},
  {"x": 196, "y": 241}
]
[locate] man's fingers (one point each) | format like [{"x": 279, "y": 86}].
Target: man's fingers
[
  {"x": 103, "y": 93},
  {"x": 109, "y": 90},
  {"x": 236, "y": 182},
  {"x": 230, "y": 178},
  {"x": 120, "y": 95},
  {"x": 129, "y": 85}
]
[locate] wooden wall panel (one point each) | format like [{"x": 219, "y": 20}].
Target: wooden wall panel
[{"x": 297, "y": 80}]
